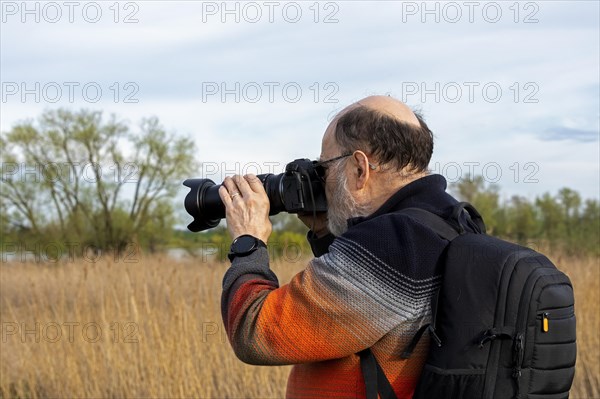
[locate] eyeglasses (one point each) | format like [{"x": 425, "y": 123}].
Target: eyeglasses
[{"x": 321, "y": 166}]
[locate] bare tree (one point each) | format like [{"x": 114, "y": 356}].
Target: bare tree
[{"x": 79, "y": 177}]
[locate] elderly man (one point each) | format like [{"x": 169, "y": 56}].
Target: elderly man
[{"x": 375, "y": 270}]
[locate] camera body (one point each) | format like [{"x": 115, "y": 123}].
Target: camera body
[{"x": 297, "y": 190}]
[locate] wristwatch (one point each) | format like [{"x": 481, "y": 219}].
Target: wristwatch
[{"x": 244, "y": 245}]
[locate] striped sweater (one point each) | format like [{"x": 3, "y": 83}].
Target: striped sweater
[{"x": 369, "y": 288}]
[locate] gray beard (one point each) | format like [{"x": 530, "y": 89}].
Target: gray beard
[{"x": 341, "y": 207}]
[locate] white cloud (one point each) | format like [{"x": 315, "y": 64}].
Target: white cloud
[{"x": 171, "y": 54}]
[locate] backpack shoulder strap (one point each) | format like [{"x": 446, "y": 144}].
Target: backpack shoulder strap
[
  {"x": 375, "y": 380},
  {"x": 463, "y": 215},
  {"x": 433, "y": 221}
]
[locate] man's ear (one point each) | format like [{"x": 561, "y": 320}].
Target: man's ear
[{"x": 361, "y": 168}]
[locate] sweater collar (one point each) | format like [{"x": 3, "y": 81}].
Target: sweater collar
[{"x": 415, "y": 194}]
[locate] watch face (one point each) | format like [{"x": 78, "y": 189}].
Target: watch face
[{"x": 243, "y": 244}]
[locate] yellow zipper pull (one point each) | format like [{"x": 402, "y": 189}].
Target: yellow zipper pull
[{"x": 545, "y": 326}]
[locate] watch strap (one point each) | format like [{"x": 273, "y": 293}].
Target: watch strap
[{"x": 258, "y": 244}]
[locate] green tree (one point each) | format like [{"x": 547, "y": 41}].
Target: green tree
[
  {"x": 483, "y": 198},
  {"x": 522, "y": 219},
  {"x": 552, "y": 221},
  {"x": 571, "y": 202},
  {"x": 589, "y": 231},
  {"x": 88, "y": 179},
  {"x": 288, "y": 222},
  {"x": 559, "y": 220}
]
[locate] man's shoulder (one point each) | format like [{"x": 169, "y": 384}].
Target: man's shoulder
[
  {"x": 392, "y": 226},
  {"x": 393, "y": 241}
]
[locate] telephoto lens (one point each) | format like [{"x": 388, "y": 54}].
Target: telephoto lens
[
  {"x": 204, "y": 204},
  {"x": 298, "y": 190}
]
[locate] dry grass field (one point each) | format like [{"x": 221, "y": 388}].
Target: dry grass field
[{"x": 152, "y": 328}]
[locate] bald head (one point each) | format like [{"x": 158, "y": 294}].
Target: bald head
[
  {"x": 391, "y": 107},
  {"x": 386, "y": 129}
]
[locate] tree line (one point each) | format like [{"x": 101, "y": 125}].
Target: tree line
[
  {"x": 562, "y": 221},
  {"x": 80, "y": 180}
]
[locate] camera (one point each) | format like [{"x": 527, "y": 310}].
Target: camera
[{"x": 298, "y": 190}]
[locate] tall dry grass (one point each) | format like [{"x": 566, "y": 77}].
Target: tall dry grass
[
  {"x": 157, "y": 324},
  {"x": 585, "y": 276},
  {"x": 153, "y": 329}
]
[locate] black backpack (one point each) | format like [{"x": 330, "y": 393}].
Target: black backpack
[{"x": 503, "y": 321}]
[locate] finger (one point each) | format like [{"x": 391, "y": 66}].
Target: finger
[
  {"x": 254, "y": 183},
  {"x": 230, "y": 186},
  {"x": 242, "y": 185},
  {"x": 224, "y": 194}
]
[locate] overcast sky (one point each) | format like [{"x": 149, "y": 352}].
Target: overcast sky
[{"x": 510, "y": 89}]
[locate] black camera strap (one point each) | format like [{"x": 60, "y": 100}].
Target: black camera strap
[{"x": 312, "y": 198}]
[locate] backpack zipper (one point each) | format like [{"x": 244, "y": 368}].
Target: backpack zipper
[
  {"x": 518, "y": 354},
  {"x": 545, "y": 324},
  {"x": 521, "y": 328},
  {"x": 554, "y": 314}
]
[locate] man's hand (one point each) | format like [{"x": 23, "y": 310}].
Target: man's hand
[
  {"x": 320, "y": 228},
  {"x": 246, "y": 207}
]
